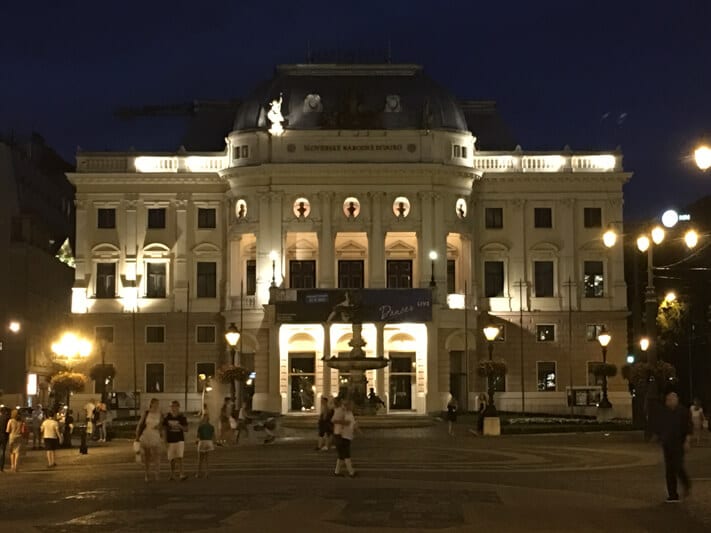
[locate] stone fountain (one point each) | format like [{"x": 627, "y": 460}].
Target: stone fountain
[{"x": 355, "y": 363}]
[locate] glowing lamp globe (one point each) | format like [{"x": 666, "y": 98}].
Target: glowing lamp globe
[
  {"x": 491, "y": 332},
  {"x": 609, "y": 238},
  {"x": 643, "y": 243},
  {"x": 657, "y": 234},
  {"x": 702, "y": 156}
]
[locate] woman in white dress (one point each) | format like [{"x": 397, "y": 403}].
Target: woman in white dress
[{"x": 149, "y": 435}]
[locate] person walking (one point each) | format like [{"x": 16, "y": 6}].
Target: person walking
[
  {"x": 68, "y": 429},
  {"x": 325, "y": 427},
  {"x": 674, "y": 435},
  {"x": 175, "y": 425},
  {"x": 225, "y": 415},
  {"x": 148, "y": 434},
  {"x": 89, "y": 418},
  {"x": 37, "y": 418},
  {"x": 697, "y": 420},
  {"x": 4, "y": 419},
  {"x": 100, "y": 415},
  {"x": 242, "y": 422},
  {"x": 451, "y": 415},
  {"x": 483, "y": 403},
  {"x": 15, "y": 429},
  {"x": 345, "y": 422},
  {"x": 205, "y": 445},
  {"x": 52, "y": 438}
]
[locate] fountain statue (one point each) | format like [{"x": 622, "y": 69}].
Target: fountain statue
[{"x": 355, "y": 363}]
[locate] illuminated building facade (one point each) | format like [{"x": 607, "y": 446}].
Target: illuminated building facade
[{"x": 369, "y": 180}]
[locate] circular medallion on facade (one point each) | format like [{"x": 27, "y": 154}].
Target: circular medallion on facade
[
  {"x": 302, "y": 208},
  {"x": 291, "y": 148},
  {"x": 241, "y": 209},
  {"x": 401, "y": 207},
  {"x": 351, "y": 207},
  {"x": 461, "y": 208}
]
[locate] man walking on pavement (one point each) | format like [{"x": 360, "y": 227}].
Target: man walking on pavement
[
  {"x": 675, "y": 437},
  {"x": 175, "y": 427}
]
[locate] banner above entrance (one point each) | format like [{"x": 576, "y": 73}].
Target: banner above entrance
[{"x": 309, "y": 306}]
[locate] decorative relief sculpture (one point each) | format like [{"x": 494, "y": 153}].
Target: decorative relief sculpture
[
  {"x": 313, "y": 104},
  {"x": 241, "y": 210},
  {"x": 351, "y": 207},
  {"x": 302, "y": 208},
  {"x": 461, "y": 208},
  {"x": 401, "y": 207}
]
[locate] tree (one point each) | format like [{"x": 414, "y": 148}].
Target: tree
[
  {"x": 64, "y": 383},
  {"x": 232, "y": 374},
  {"x": 672, "y": 320},
  {"x": 492, "y": 371}
]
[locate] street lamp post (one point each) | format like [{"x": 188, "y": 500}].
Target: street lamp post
[
  {"x": 102, "y": 346},
  {"x": 71, "y": 348},
  {"x": 491, "y": 332},
  {"x": 232, "y": 336},
  {"x": 604, "y": 339},
  {"x": 433, "y": 258}
]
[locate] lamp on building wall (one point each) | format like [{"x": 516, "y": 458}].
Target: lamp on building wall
[
  {"x": 273, "y": 257},
  {"x": 644, "y": 344},
  {"x": 433, "y": 258},
  {"x": 604, "y": 339},
  {"x": 702, "y": 157}
]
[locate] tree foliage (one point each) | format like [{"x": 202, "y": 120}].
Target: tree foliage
[
  {"x": 640, "y": 373},
  {"x": 65, "y": 383}
]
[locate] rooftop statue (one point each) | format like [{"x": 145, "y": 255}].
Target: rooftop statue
[{"x": 275, "y": 117}]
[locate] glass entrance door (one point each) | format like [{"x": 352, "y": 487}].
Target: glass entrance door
[
  {"x": 302, "y": 380},
  {"x": 402, "y": 380}
]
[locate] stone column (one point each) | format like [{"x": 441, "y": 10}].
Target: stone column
[
  {"x": 376, "y": 244},
  {"x": 276, "y": 237},
  {"x": 182, "y": 268},
  {"x": 425, "y": 239},
  {"x": 326, "y": 371},
  {"x": 264, "y": 246},
  {"x": 439, "y": 245},
  {"x": 326, "y": 245}
]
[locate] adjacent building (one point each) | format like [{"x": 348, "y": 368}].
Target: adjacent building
[
  {"x": 365, "y": 185},
  {"x": 36, "y": 219}
]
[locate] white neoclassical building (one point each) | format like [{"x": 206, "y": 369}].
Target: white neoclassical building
[{"x": 363, "y": 182}]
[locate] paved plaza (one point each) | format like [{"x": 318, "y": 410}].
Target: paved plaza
[{"x": 409, "y": 480}]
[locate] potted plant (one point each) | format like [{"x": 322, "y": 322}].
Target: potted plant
[
  {"x": 492, "y": 371},
  {"x": 64, "y": 383},
  {"x": 231, "y": 374}
]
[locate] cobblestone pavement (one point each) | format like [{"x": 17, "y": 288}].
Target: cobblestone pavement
[{"x": 408, "y": 481}]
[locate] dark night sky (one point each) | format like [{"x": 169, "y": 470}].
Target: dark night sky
[{"x": 555, "y": 67}]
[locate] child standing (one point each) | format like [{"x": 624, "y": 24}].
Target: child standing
[{"x": 205, "y": 445}]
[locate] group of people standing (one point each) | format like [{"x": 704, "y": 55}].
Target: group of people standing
[
  {"x": 336, "y": 427},
  {"x": 154, "y": 428},
  {"x": 234, "y": 422},
  {"x": 14, "y": 431}
]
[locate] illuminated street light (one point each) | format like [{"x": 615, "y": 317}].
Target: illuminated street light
[
  {"x": 691, "y": 238},
  {"x": 14, "y": 326},
  {"x": 643, "y": 243},
  {"x": 609, "y": 238},
  {"x": 604, "y": 339},
  {"x": 670, "y": 218},
  {"x": 657, "y": 234},
  {"x": 644, "y": 344},
  {"x": 71, "y": 346},
  {"x": 232, "y": 336},
  {"x": 702, "y": 156},
  {"x": 433, "y": 258},
  {"x": 670, "y": 297}
]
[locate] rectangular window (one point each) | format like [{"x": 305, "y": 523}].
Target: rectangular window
[
  {"x": 592, "y": 378},
  {"x": 106, "y": 218},
  {"x": 543, "y": 217},
  {"x": 543, "y": 279},
  {"x": 204, "y": 372},
  {"x": 545, "y": 333},
  {"x": 493, "y": 279},
  {"x": 251, "y": 288},
  {"x": 592, "y": 331},
  {"x": 302, "y": 378},
  {"x": 155, "y": 334},
  {"x": 155, "y": 377},
  {"x": 235, "y": 152},
  {"x": 592, "y": 217},
  {"x": 493, "y": 217},
  {"x": 105, "y": 333},
  {"x": 350, "y": 274},
  {"x": 206, "y": 279},
  {"x": 106, "y": 280},
  {"x": 399, "y": 273},
  {"x": 464, "y": 152},
  {"x": 456, "y": 150},
  {"x": 546, "y": 375},
  {"x": 245, "y": 151},
  {"x": 156, "y": 218},
  {"x": 155, "y": 280},
  {"x": 451, "y": 276},
  {"x": 302, "y": 274},
  {"x": 593, "y": 280},
  {"x": 206, "y": 334},
  {"x": 207, "y": 218}
]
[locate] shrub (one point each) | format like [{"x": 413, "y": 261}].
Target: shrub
[{"x": 65, "y": 383}]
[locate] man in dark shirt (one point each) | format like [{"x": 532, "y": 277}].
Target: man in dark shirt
[
  {"x": 175, "y": 427},
  {"x": 674, "y": 434}
]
